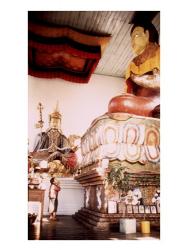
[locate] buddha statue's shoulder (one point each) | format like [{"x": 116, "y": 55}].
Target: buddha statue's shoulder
[
  {"x": 145, "y": 62},
  {"x": 151, "y": 51}
]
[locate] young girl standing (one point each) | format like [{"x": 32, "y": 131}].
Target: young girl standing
[{"x": 53, "y": 198}]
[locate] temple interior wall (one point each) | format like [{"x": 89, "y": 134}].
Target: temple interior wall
[{"x": 79, "y": 104}]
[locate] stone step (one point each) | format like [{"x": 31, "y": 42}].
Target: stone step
[
  {"x": 101, "y": 215},
  {"x": 120, "y": 215},
  {"x": 90, "y": 223},
  {"x": 101, "y": 223},
  {"x": 92, "y": 217},
  {"x": 97, "y": 218},
  {"x": 83, "y": 218},
  {"x": 107, "y": 221}
]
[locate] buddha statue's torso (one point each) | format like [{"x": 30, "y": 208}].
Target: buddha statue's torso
[{"x": 142, "y": 83}]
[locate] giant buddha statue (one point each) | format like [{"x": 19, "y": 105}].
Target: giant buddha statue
[
  {"x": 123, "y": 146},
  {"x": 142, "y": 88}
]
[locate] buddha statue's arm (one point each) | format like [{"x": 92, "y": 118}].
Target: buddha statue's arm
[{"x": 147, "y": 81}]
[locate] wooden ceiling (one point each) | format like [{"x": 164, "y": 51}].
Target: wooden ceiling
[{"x": 118, "y": 53}]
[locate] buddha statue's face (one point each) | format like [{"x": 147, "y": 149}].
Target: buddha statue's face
[{"x": 139, "y": 39}]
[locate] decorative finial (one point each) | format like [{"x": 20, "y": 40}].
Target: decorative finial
[
  {"x": 57, "y": 107},
  {"x": 55, "y": 118},
  {"x": 40, "y": 123}
]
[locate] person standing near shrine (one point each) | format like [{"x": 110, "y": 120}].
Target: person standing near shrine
[{"x": 53, "y": 198}]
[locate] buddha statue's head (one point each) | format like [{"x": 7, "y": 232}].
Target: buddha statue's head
[
  {"x": 55, "y": 119},
  {"x": 142, "y": 35}
]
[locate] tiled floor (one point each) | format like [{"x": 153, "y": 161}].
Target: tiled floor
[{"x": 66, "y": 228}]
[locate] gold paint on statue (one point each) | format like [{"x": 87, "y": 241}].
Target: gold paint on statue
[
  {"x": 150, "y": 64},
  {"x": 148, "y": 53},
  {"x": 139, "y": 40},
  {"x": 55, "y": 118}
]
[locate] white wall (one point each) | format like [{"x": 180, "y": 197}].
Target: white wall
[
  {"x": 79, "y": 104},
  {"x": 70, "y": 198}
]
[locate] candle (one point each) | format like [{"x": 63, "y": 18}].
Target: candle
[{"x": 145, "y": 227}]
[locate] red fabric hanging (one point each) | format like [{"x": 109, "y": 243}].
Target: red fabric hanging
[{"x": 55, "y": 53}]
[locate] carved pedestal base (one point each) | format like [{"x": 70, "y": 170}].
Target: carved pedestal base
[
  {"x": 105, "y": 222},
  {"x": 125, "y": 142},
  {"x": 98, "y": 212}
]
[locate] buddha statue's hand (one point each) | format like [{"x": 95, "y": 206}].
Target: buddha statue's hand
[{"x": 147, "y": 81}]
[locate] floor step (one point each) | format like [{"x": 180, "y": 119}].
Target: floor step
[
  {"x": 97, "y": 218},
  {"x": 89, "y": 225},
  {"x": 108, "y": 221}
]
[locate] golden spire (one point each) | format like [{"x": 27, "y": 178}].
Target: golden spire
[{"x": 55, "y": 117}]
